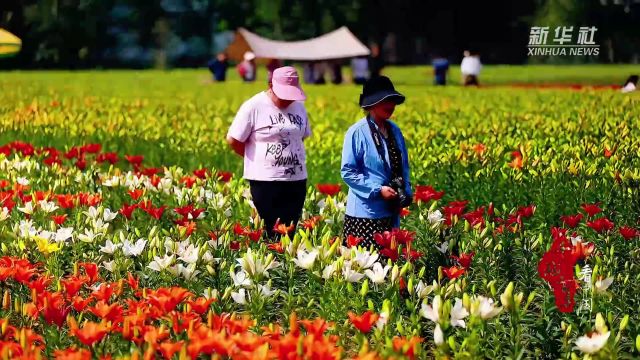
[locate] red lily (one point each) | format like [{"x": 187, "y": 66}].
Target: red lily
[
  {"x": 591, "y": 209},
  {"x": 328, "y": 189},
  {"x": 628, "y": 233},
  {"x": 127, "y": 210},
  {"x": 155, "y": 213},
  {"x": 109, "y": 157},
  {"x": 72, "y": 285},
  {"x": 571, "y": 221},
  {"x": 90, "y": 333},
  {"x": 201, "y": 304},
  {"x": 224, "y": 176},
  {"x": 311, "y": 222},
  {"x": 464, "y": 260},
  {"x": 254, "y": 235},
  {"x": 353, "y": 241},
  {"x": 201, "y": 173},
  {"x": 453, "y": 272},
  {"x": 59, "y": 219},
  {"x": 136, "y": 194},
  {"x": 134, "y": 160},
  {"x": 426, "y": 193},
  {"x": 601, "y": 225},
  {"x": 526, "y": 211},
  {"x": 363, "y": 322},
  {"x": 168, "y": 349},
  {"x": 283, "y": 229}
]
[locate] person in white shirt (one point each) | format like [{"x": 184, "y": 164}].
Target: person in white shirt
[
  {"x": 269, "y": 132},
  {"x": 631, "y": 84},
  {"x": 470, "y": 68}
]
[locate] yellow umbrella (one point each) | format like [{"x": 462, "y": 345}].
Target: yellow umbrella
[{"x": 9, "y": 43}]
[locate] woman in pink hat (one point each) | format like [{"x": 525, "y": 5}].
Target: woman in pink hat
[{"x": 268, "y": 131}]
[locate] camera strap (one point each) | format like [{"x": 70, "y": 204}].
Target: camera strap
[{"x": 377, "y": 139}]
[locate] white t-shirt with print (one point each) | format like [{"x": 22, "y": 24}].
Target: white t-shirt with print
[{"x": 273, "y": 137}]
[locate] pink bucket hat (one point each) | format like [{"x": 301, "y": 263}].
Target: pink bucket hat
[{"x": 286, "y": 84}]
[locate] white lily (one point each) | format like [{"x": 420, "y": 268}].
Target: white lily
[
  {"x": 210, "y": 293},
  {"x": 161, "y": 263},
  {"x": 107, "y": 215},
  {"x": 26, "y": 229},
  {"x": 46, "y": 235},
  {"x": 435, "y": 217},
  {"x": 365, "y": 259},
  {"x": 187, "y": 272},
  {"x": 4, "y": 214},
  {"x": 190, "y": 254},
  {"x": 241, "y": 278},
  {"x": 306, "y": 259},
  {"x": 92, "y": 212},
  {"x": 378, "y": 274},
  {"x": 89, "y": 236},
  {"x": 22, "y": 181},
  {"x": 443, "y": 247},
  {"x": 240, "y": 296},
  {"x": 99, "y": 226},
  {"x": 255, "y": 265},
  {"x": 602, "y": 285},
  {"x": 109, "y": 247},
  {"x": 383, "y": 318},
  {"x": 27, "y": 208},
  {"x": 265, "y": 290},
  {"x": 423, "y": 290},
  {"x": 349, "y": 274},
  {"x": 484, "y": 307},
  {"x": 63, "y": 234},
  {"x": 575, "y": 240},
  {"x": 592, "y": 343},
  {"x": 109, "y": 265},
  {"x": 47, "y": 206},
  {"x": 328, "y": 271},
  {"x": 112, "y": 182},
  {"x": 458, "y": 313},
  {"x": 432, "y": 312},
  {"x": 132, "y": 250},
  {"x": 207, "y": 257},
  {"x": 438, "y": 335}
]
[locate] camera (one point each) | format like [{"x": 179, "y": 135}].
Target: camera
[{"x": 402, "y": 200}]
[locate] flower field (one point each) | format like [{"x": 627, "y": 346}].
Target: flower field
[{"x": 126, "y": 230}]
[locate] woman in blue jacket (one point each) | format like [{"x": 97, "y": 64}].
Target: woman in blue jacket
[{"x": 375, "y": 165}]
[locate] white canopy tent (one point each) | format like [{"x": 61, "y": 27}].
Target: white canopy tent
[{"x": 340, "y": 43}]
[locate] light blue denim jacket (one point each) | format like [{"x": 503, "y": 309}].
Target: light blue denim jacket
[{"x": 365, "y": 173}]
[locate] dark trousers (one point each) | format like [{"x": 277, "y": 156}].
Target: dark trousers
[
  {"x": 281, "y": 200},
  {"x": 471, "y": 80}
]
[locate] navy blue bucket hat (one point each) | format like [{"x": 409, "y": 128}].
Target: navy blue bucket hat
[{"x": 378, "y": 89}]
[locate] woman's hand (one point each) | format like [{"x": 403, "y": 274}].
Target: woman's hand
[{"x": 388, "y": 193}]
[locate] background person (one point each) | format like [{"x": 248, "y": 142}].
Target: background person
[
  {"x": 360, "y": 70},
  {"x": 336, "y": 72},
  {"x": 440, "y": 70},
  {"x": 319, "y": 69},
  {"x": 218, "y": 67},
  {"x": 375, "y": 165},
  {"x": 470, "y": 68},
  {"x": 376, "y": 62},
  {"x": 268, "y": 132},
  {"x": 308, "y": 72},
  {"x": 631, "y": 84},
  {"x": 247, "y": 68}
]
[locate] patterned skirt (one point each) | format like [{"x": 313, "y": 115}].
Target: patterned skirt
[{"x": 366, "y": 228}]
